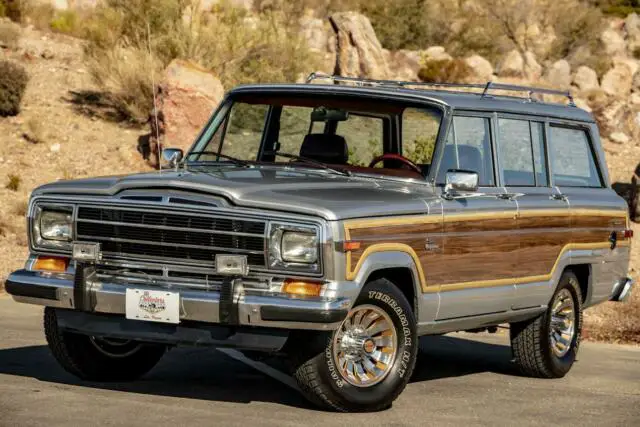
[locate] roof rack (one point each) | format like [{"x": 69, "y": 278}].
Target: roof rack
[{"x": 451, "y": 87}]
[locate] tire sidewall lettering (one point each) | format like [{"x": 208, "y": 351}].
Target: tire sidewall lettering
[{"x": 405, "y": 341}]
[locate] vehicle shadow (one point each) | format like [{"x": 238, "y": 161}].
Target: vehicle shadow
[{"x": 206, "y": 374}]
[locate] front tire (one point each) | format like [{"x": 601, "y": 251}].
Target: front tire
[
  {"x": 547, "y": 346},
  {"x": 99, "y": 359},
  {"x": 365, "y": 364}
]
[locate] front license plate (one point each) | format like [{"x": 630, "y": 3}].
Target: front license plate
[{"x": 153, "y": 306}]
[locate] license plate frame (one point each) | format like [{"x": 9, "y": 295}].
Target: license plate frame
[{"x": 153, "y": 306}]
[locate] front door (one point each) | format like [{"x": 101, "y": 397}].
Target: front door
[{"x": 477, "y": 268}]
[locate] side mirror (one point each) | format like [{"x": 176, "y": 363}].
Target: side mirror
[
  {"x": 171, "y": 157},
  {"x": 460, "y": 181}
]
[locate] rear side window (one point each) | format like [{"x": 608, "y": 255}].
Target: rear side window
[
  {"x": 572, "y": 160},
  {"x": 468, "y": 147},
  {"x": 521, "y": 146}
]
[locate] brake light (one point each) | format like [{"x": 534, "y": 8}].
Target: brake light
[{"x": 628, "y": 233}]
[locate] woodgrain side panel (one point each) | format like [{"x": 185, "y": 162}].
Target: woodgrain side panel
[{"x": 465, "y": 251}]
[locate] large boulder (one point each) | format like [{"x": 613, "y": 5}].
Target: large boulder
[
  {"x": 613, "y": 42},
  {"x": 436, "y": 53},
  {"x": 482, "y": 69},
  {"x": 618, "y": 80},
  {"x": 585, "y": 78},
  {"x": 532, "y": 68},
  {"x": 559, "y": 74},
  {"x": 632, "y": 27},
  {"x": 321, "y": 40},
  {"x": 512, "y": 65},
  {"x": 404, "y": 64},
  {"x": 187, "y": 96},
  {"x": 358, "y": 50}
]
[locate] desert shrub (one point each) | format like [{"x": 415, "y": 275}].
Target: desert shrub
[
  {"x": 128, "y": 42},
  {"x": 9, "y": 34},
  {"x": 13, "y": 182},
  {"x": 64, "y": 21},
  {"x": 581, "y": 31},
  {"x": 128, "y": 76},
  {"x": 620, "y": 8},
  {"x": 14, "y": 9},
  {"x": 13, "y": 82},
  {"x": 445, "y": 70}
]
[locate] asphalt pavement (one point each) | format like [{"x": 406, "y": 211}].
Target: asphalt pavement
[{"x": 461, "y": 379}]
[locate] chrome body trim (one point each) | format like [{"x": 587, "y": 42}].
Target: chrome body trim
[{"x": 622, "y": 289}]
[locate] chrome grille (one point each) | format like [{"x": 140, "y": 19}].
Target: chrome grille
[{"x": 149, "y": 233}]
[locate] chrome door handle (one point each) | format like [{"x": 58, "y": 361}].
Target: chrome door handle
[{"x": 558, "y": 197}]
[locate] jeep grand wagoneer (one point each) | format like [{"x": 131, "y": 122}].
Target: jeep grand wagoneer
[{"x": 335, "y": 224}]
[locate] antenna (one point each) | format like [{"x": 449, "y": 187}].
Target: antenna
[{"x": 155, "y": 102}]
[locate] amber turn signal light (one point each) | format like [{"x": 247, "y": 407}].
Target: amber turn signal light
[
  {"x": 50, "y": 263},
  {"x": 298, "y": 287},
  {"x": 351, "y": 245}
]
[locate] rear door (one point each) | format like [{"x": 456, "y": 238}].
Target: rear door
[{"x": 544, "y": 225}]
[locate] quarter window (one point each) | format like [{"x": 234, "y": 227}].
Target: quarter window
[
  {"x": 572, "y": 159},
  {"x": 468, "y": 147}
]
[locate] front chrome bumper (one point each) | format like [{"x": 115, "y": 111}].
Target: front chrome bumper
[
  {"x": 250, "y": 309},
  {"x": 622, "y": 290}
]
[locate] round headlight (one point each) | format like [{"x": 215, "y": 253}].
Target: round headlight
[
  {"x": 55, "y": 225},
  {"x": 299, "y": 247}
]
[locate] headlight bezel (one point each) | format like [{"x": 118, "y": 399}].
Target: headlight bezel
[
  {"x": 38, "y": 241},
  {"x": 275, "y": 259}
]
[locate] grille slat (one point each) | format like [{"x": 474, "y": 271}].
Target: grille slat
[{"x": 167, "y": 235}]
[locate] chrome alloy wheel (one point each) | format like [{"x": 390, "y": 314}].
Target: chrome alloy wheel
[
  {"x": 562, "y": 329},
  {"x": 365, "y": 346},
  {"x": 114, "y": 347}
]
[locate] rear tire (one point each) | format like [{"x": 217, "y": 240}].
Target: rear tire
[
  {"x": 99, "y": 359},
  {"x": 389, "y": 338},
  {"x": 547, "y": 346}
]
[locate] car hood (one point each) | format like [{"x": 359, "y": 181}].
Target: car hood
[{"x": 330, "y": 196}]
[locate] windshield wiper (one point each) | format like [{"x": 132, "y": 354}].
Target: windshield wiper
[
  {"x": 234, "y": 160},
  {"x": 309, "y": 161}
]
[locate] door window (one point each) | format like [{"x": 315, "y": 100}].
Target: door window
[
  {"x": 572, "y": 160},
  {"x": 419, "y": 133},
  {"x": 468, "y": 147},
  {"x": 521, "y": 146}
]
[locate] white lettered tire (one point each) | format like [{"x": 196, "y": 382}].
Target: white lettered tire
[{"x": 365, "y": 364}]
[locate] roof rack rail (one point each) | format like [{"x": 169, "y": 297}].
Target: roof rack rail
[{"x": 486, "y": 87}]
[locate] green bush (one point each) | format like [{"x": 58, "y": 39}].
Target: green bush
[
  {"x": 65, "y": 21},
  {"x": 13, "y": 82},
  {"x": 445, "y": 71}
]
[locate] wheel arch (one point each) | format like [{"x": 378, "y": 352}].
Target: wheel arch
[
  {"x": 397, "y": 266},
  {"x": 583, "y": 273}
]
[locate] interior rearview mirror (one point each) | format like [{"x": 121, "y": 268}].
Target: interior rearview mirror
[
  {"x": 171, "y": 157},
  {"x": 460, "y": 181},
  {"x": 322, "y": 114}
]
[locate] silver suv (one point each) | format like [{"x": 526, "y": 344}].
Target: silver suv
[{"x": 335, "y": 224}]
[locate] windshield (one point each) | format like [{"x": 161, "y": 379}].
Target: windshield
[{"x": 329, "y": 133}]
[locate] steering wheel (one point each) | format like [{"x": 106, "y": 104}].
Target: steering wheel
[{"x": 391, "y": 156}]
